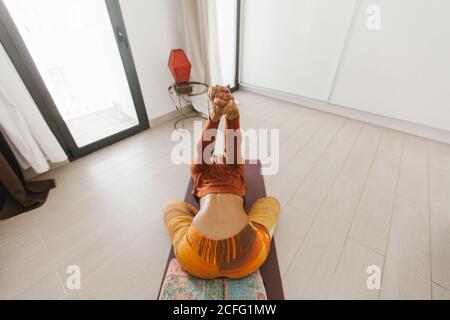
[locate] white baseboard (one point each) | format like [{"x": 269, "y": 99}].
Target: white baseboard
[
  {"x": 383, "y": 121},
  {"x": 168, "y": 117}
]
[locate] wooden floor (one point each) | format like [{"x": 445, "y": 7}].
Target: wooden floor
[{"x": 354, "y": 195}]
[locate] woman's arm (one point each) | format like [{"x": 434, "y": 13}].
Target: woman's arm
[
  {"x": 206, "y": 142},
  {"x": 218, "y": 97},
  {"x": 233, "y": 134}
]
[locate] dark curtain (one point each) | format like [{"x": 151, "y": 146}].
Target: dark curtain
[{"x": 16, "y": 194}]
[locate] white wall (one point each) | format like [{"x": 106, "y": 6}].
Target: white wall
[
  {"x": 152, "y": 31},
  {"x": 400, "y": 72},
  {"x": 294, "y": 45}
]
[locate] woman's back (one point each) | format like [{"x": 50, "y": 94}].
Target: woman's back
[{"x": 221, "y": 216}]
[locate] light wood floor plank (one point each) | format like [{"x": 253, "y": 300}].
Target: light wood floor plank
[
  {"x": 350, "y": 279},
  {"x": 313, "y": 190},
  {"x": 440, "y": 225},
  {"x": 290, "y": 232},
  {"x": 315, "y": 147},
  {"x": 48, "y": 288},
  {"x": 440, "y": 155},
  {"x": 360, "y": 159},
  {"x": 350, "y": 130},
  {"x": 141, "y": 257},
  {"x": 306, "y": 129},
  {"x": 18, "y": 249},
  {"x": 407, "y": 267},
  {"x": 290, "y": 127},
  {"x": 286, "y": 182},
  {"x": 313, "y": 266},
  {"x": 440, "y": 293},
  {"x": 413, "y": 180},
  {"x": 24, "y": 273},
  {"x": 373, "y": 216},
  {"x": 104, "y": 245},
  {"x": 392, "y": 142}
]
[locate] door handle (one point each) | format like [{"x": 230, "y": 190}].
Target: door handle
[{"x": 121, "y": 37}]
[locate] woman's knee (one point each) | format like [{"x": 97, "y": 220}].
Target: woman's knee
[
  {"x": 273, "y": 201},
  {"x": 178, "y": 208},
  {"x": 267, "y": 205},
  {"x": 265, "y": 211},
  {"x": 276, "y": 206},
  {"x": 169, "y": 205},
  {"x": 172, "y": 209}
]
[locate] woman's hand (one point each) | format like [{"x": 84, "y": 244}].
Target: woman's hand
[
  {"x": 231, "y": 110},
  {"x": 223, "y": 103},
  {"x": 215, "y": 95}
]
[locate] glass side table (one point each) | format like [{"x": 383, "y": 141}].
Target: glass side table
[{"x": 190, "y": 94}]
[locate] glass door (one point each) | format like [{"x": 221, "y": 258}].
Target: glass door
[
  {"x": 78, "y": 56},
  {"x": 227, "y": 17}
]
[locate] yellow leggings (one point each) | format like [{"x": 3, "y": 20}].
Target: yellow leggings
[{"x": 234, "y": 257}]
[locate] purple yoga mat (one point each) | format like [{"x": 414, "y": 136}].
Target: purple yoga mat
[{"x": 270, "y": 270}]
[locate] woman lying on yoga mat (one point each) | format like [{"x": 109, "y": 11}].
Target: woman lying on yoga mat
[{"x": 221, "y": 239}]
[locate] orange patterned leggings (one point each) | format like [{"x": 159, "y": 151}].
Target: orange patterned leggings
[{"x": 234, "y": 257}]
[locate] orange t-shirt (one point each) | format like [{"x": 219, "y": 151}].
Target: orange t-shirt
[{"x": 219, "y": 177}]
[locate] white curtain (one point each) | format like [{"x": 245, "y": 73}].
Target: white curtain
[
  {"x": 197, "y": 24},
  {"x": 23, "y": 125}
]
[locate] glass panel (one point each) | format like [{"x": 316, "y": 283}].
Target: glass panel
[
  {"x": 73, "y": 45},
  {"x": 226, "y": 15}
]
